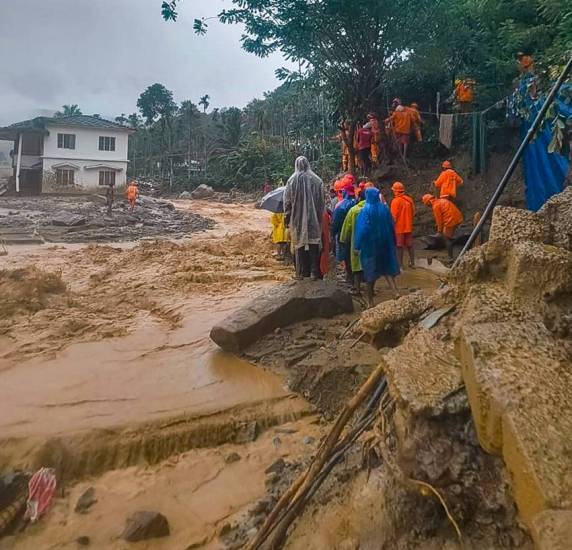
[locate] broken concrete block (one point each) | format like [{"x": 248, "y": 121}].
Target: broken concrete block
[
  {"x": 513, "y": 225},
  {"x": 279, "y": 307},
  {"x": 539, "y": 270},
  {"x": 389, "y": 321},
  {"x": 519, "y": 384},
  {"x": 557, "y": 218},
  {"x": 422, "y": 372}
]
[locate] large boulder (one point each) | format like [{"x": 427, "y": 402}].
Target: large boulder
[
  {"x": 202, "y": 192},
  {"x": 279, "y": 307}
]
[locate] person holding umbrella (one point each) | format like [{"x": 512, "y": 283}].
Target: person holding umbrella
[{"x": 304, "y": 205}]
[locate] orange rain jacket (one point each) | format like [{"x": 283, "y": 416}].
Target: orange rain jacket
[
  {"x": 464, "y": 92},
  {"x": 403, "y": 211},
  {"x": 402, "y": 121},
  {"x": 132, "y": 192},
  {"x": 447, "y": 182},
  {"x": 447, "y": 215}
]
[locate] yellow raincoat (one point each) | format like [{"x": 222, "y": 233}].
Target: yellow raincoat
[
  {"x": 279, "y": 231},
  {"x": 348, "y": 234}
]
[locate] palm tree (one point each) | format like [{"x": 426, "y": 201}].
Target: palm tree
[
  {"x": 69, "y": 110},
  {"x": 121, "y": 119},
  {"x": 204, "y": 102}
]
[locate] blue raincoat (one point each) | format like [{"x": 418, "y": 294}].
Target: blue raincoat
[
  {"x": 339, "y": 215},
  {"x": 375, "y": 239}
]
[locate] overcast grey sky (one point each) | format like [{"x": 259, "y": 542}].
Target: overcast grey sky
[{"x": 101, "y": 54}]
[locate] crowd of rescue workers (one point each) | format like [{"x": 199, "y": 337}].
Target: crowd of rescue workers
[{"x": 368, "y": 236}]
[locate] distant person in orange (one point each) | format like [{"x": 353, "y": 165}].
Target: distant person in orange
[
  {"x": 465, "y": 94},
  {"x": 403, "y": 212},
  {"x": 373, "y": 123},
  {"x": 448, "y": 181},
  {"x": 132, "y": 194},
  {"x": 343, "y": 139},
  {"x": 447, "y": 218},
  {"x": 525, "y": 63},
  {"x": 401, "y": 124},
  {"x": 416, "y": 120}
]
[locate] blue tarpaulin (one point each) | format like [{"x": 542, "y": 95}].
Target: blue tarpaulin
[{"x": 544, "y": 172}]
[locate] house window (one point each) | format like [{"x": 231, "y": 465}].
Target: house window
[
  {"x": 64, "y": 177},
  {"x": 66, "y": 141},
  {"x": 106, "y": 177},
  {"x": 106, "y": 143}
]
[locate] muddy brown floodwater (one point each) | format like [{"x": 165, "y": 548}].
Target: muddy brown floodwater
[{"x": 107, "y": 371}]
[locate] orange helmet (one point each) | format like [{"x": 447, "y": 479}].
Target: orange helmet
[
  {"x": 398, "y": 188},
  {"x": 339, "y": 185},
  {"x": 349, "y": 179},
  {"x": 446, "y": 164},
  {"x": 427, "y": 199}
]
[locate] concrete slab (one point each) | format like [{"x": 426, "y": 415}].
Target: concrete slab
[{"x": 281, "y": 306}]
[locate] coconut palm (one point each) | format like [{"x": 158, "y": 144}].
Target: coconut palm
[{"x": 204, "y": 102}]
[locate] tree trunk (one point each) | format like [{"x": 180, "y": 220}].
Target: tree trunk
[
  {"x": 348, "y": 138},
  {"x": 189, "y": 144}
]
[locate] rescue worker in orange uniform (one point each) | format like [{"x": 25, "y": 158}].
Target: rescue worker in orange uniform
[
  {"x": 416, "y": 120},
  {"x": 338, "y": 188},
  {"x": 373, "y": 123},
  {"x": 447, "y": 218},
  {"x": 343, "y": 137},
  {"x": 403, "y": 212},
  {"x": 525, "y": 63},
  {"x": 448, "y": 181},
  {"x": 465, "y": 94},
  {"x": 132, "y": 194},
  {"x": 401, "y": 124}
]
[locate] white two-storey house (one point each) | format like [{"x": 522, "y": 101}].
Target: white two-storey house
[{"x": 67, "y": 153}]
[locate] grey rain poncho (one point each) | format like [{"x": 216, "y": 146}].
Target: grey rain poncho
[{"x": 304, "y": 205}]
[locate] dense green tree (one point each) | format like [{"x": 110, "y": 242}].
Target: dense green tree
[{"x": 156, "y": 103}]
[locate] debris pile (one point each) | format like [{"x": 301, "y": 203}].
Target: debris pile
[{"x": 83, "y": 218}]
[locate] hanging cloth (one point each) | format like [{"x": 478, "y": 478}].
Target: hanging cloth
[
  {"x": 479, "y": 149},
  {"x": 446, "y": 126}
]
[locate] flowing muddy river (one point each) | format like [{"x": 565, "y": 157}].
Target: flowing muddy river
[{"x": 107, "y": 371}]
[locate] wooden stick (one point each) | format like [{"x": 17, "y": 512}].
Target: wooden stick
[{"x": 294, "y": 496}]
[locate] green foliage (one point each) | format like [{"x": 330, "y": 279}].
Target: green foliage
[
  {"x": 231, "y": 146},
  {"x": 68, "y": 110},
  {"x": 168, "y": 11},
  {"x": 156, "y": 102},
  {"x": 354, "y": 56}
]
